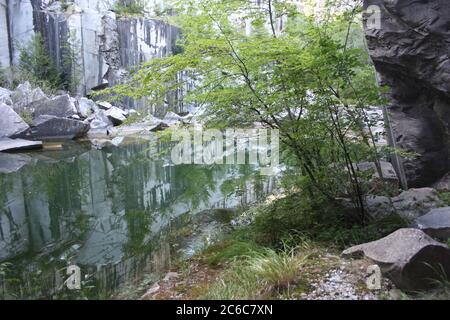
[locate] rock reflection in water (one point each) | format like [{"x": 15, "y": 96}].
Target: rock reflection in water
[{"x": 115, "y": 212}]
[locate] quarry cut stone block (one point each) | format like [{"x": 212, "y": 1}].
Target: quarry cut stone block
[
  {"x": 409, "y": 257},
  {"x": 50, "y": 127}
]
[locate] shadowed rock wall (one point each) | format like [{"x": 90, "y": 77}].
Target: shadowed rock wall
[{"x": 411, "y": 54}]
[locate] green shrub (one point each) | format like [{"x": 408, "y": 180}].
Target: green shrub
[
  {"x": 295, "y": 218},
  {"x": 229, "y": 250},
  {"x": 445, "y": 197},
  {"x": 36, "y": 66},
  {"x": 126, "y": 8}
]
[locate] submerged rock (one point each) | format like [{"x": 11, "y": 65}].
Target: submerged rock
[
  {"x": 409, "y": 257},
  {"x": 50, "y": 127},
  {"x": 10, "y": 145},
  {"x": 104, "y": 105},
  {"x": 10, "y": 163},
  {"x": 10, "y": 122},
  {"x": 436, "y": 223}
]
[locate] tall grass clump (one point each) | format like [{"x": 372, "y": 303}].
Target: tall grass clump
[{"x": 259, "y": 275}]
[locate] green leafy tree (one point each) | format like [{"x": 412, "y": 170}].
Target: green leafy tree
[
  {"x": 36, "y": 66},
  {"x": 305, "y": 79},
  {"x": 129, "y": 7}
]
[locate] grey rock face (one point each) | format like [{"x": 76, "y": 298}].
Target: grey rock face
[
  {"x": 9, "y": 145},
  {"x": 25, "y": 95},
  {"x": 50, "y": 127},
  {"x": 10, "y": 122},
  {"x": 411, "y": 55},
  {"x": 5, "y": 96},
  {"x": 416, "y": 202},
  {"x": 436, "y": 223},
  {"x": 443, "y": 184},
  {"x": 61, "y": 106},
  {"x": 409, "y": 204},
  {"x": 409, "y": 257},
  {"x": 387, "y": 170},
  {"x": 116, "y": 115},
  {"x": 85, "y": 107}
]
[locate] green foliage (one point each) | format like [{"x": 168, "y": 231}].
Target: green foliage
[
  {"x": 127, "y": 8},
  {"x": 36, "y": 66},
  {"x": 307, "y": 80},
  {"x": 296, "y": 218},
  {"x": 445, "y": 197},
  {"x": 229, "y": 250},
  {"x": 3, "y": 79},
  {"x": 26, "y": 116}
]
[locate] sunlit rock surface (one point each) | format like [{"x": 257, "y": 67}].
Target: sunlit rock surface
[{"x": 105, "y": 47}]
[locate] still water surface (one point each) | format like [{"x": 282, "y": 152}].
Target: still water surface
[{"x": 117, "y": 212}]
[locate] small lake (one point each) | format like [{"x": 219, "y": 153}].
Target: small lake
[{"x": 116, "y": 211}]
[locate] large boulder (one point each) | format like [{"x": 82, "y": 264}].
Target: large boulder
[
  {"x": 86, "y": 107},
  {"x": 12, "y": 145},
  {"x": 10, "y": 122},
  {"x": 25, "y": 95},
  {"x": 409, "y": 257},
  {"x": 116, "y": 115},
  {"x": 436, "y": 223},
  {"x": 410, "y": 50},
  {"x": 50, "y": 127},
  {"x": 409, "y": 204},
  {"x": 61, "y": 106},
  {"x": 413, "y": 203}
]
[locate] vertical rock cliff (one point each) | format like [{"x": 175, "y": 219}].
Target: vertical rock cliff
[
  {"x": 103, "y": 46},
  {"x": 410, "y": 49}
]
